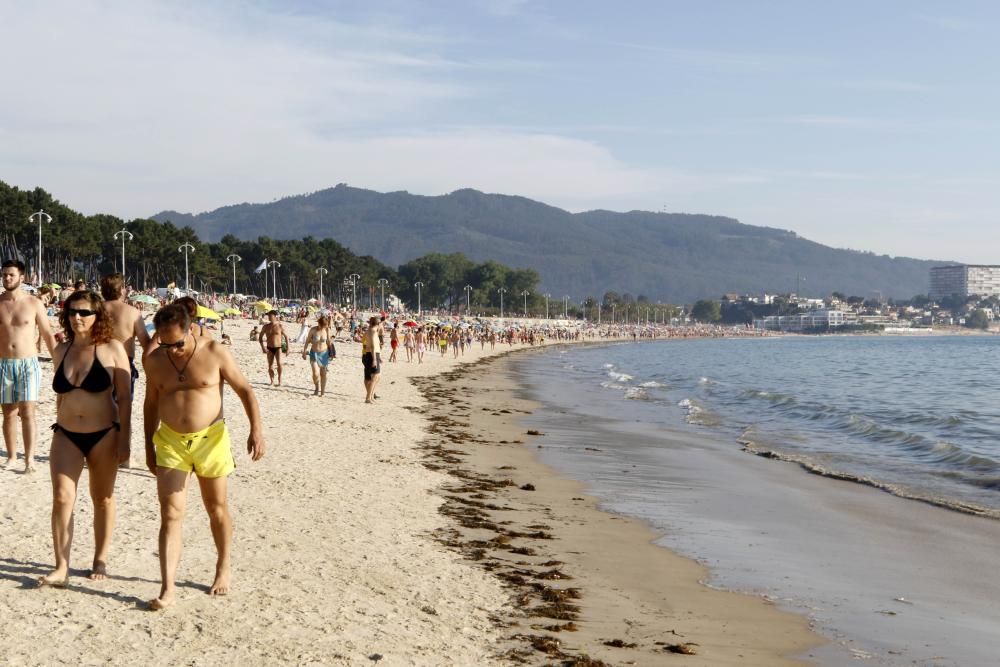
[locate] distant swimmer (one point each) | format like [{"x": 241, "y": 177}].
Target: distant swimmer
[{"x": 185, "y": 432}]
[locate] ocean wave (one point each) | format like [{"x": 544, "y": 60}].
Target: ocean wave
[
  {"x": 652, "y": 384},
  {"x": 636, "y": 394},
  {"x": 608, "y": 366},
  {"x": 816, "y": 468},
  {"x": 620, "y": 377}
]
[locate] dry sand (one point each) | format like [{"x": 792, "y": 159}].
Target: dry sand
[{"x": 336, "y": 557}]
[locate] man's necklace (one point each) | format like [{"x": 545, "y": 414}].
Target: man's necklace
[{"x": 180, "y": 371}]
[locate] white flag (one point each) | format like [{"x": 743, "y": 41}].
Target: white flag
[{"x": 263, "y": 265}]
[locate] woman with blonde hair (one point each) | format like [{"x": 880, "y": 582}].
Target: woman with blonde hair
[
  {"x": 92, "y": 382},
  {"x": 320, "y": 349}
]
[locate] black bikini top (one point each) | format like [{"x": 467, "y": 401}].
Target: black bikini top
[{"x": 95, "y": 382}]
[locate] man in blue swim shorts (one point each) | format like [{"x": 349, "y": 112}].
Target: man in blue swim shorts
[{"x": 21, "y": 315}]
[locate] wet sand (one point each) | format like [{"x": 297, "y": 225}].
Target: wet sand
[{"x": 542, "y": 534}]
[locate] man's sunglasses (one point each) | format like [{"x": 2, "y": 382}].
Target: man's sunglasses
[
  {"x": 178, "y": 345},
  {"x": 82, "y": 312}
]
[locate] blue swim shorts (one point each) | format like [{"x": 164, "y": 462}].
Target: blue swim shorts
[{"x": 20, "y": 380}]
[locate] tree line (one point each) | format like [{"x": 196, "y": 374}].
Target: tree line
[{"x": 77, "y": 246}]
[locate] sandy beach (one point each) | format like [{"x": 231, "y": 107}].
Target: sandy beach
[{"x": 341, "y": 551}]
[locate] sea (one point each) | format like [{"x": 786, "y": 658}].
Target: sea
[{"x": 835, "y": 475}]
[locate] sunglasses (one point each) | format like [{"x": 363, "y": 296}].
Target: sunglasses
[
  {"x": 178, "y": 345},
  {"x": 82, "y": 312}
]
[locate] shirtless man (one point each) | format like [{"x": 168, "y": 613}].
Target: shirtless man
[
  {"x": 20, "y": 375},
  {"x": 270, "y": 339},
  {"x": 371, "y": 358},
  {"x": 126, "y": 320},
  {"x": 185, "y": 432}
]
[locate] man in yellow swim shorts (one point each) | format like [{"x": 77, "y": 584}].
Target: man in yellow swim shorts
[{"x": 185, "y": 433}]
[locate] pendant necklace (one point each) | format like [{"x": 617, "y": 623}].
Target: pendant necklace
[{"x": 180, "y": 371}]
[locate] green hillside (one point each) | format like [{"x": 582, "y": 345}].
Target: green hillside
[{"x": 666, "y": 256}]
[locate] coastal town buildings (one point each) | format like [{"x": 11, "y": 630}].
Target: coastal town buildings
[{"x": 965, "y": 280}]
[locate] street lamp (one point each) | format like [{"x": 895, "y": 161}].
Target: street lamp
[
  {"x": 502, "y": 291},
  {"x": 274, "y": 278},
  {"x": 184, "y": 249},
  {"x": 547, "y": 295},
  {"x": 614, "y": 313},
  {"x": 124, "y": 234},
  {"x": 322, "y": 272},
  {"x": 418, "y": 285},
  {"x": 468, "y": 291},
  {"x": 382, "y": 282},
  {"x": 354, "y": 278},
  {"x": 232, "y": 259},
  {"x": 566, "y": 307},
  {"x": 525, "y": 294},
  {"x": 42, "y": 217}
]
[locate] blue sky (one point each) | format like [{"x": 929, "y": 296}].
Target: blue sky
[{"x": 869, "y": 125}]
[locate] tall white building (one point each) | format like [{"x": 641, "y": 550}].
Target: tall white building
[{"x": 965, "y": 280}]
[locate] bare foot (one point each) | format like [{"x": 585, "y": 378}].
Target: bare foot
[
  {"x": 55, "y": 579},
  {"x": 221, "y": 584},
  {"x": 9, "y": 462},
  {"x": 28, "y": 467},
  {"x": 165, "y": 600},
  {"x": 99, "y": 572}
]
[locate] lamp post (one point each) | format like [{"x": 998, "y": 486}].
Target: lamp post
[
  {"x": 614, "y": 313},
  {"x": 547, "y": 295},
  {"x": 42, "y": 216},
  {"x": 124, "y": 234},
  {"x": 233, "y": 259},
  {"x": 354, "y": 278},
  {"x": 382, "y": 282},
  {"x": 502, "y": 291},
  {"x": 525, "y": 294},
  {"x": 598, "y": 313},
  {"x": 274, "y": 278},
  {"x": 468, "y": 303},
  {"x": 418, "y": 285},
  {"x": 566, "y": 307},
  {"x": 184, "y": 249},
  {"x": 322, "y": 272}
]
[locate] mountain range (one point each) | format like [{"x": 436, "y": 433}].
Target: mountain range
[{"x": 670, "y": 257}]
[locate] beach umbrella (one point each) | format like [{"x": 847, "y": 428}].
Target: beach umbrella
[
  {"x": 55, "y": 285},
  {"x": 411, "y": 323},
  {"x": 145, "y": 298},
  {"x": 232, "y": 311},
  {"x": 207, "y": 313},
  {"x": 263, "y": 305}
]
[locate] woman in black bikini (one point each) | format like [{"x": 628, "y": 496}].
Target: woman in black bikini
[{"x": 93, "y": 417}]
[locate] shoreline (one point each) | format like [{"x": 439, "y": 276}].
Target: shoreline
[{"x": 566, "y": 561}]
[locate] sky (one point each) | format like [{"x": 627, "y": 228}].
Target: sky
[{"x": 857, "y": 124}]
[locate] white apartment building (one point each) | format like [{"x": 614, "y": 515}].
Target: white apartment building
[
  {"x": 815, "y": 319},
  {"x": 965, "y": 280}
]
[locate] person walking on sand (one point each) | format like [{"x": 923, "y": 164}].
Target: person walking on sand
[
  {"x": 371, "y": 358},
  {"x": 394, "y": 342},
  {"x": 185, "y": 432},
  {"x": 320, "y": 349},
  {"x": 92, "y": 382},
  {"x": 271, "y": 339},
  {"x": 419, "y": 340},
  {"x": 20, "y": 375},
  {"x": 126, "y": 321}
]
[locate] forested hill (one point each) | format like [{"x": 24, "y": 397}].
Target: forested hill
[{"x": 665, "y": 256}]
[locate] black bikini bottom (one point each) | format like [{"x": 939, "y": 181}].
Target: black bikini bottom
[{"x": 86, "y": 441}]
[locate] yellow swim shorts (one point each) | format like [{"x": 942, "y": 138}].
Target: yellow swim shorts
[{"x": 208, "y": 453}]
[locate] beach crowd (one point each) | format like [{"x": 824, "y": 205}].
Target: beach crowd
[{"x": 98, "y": 339}]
